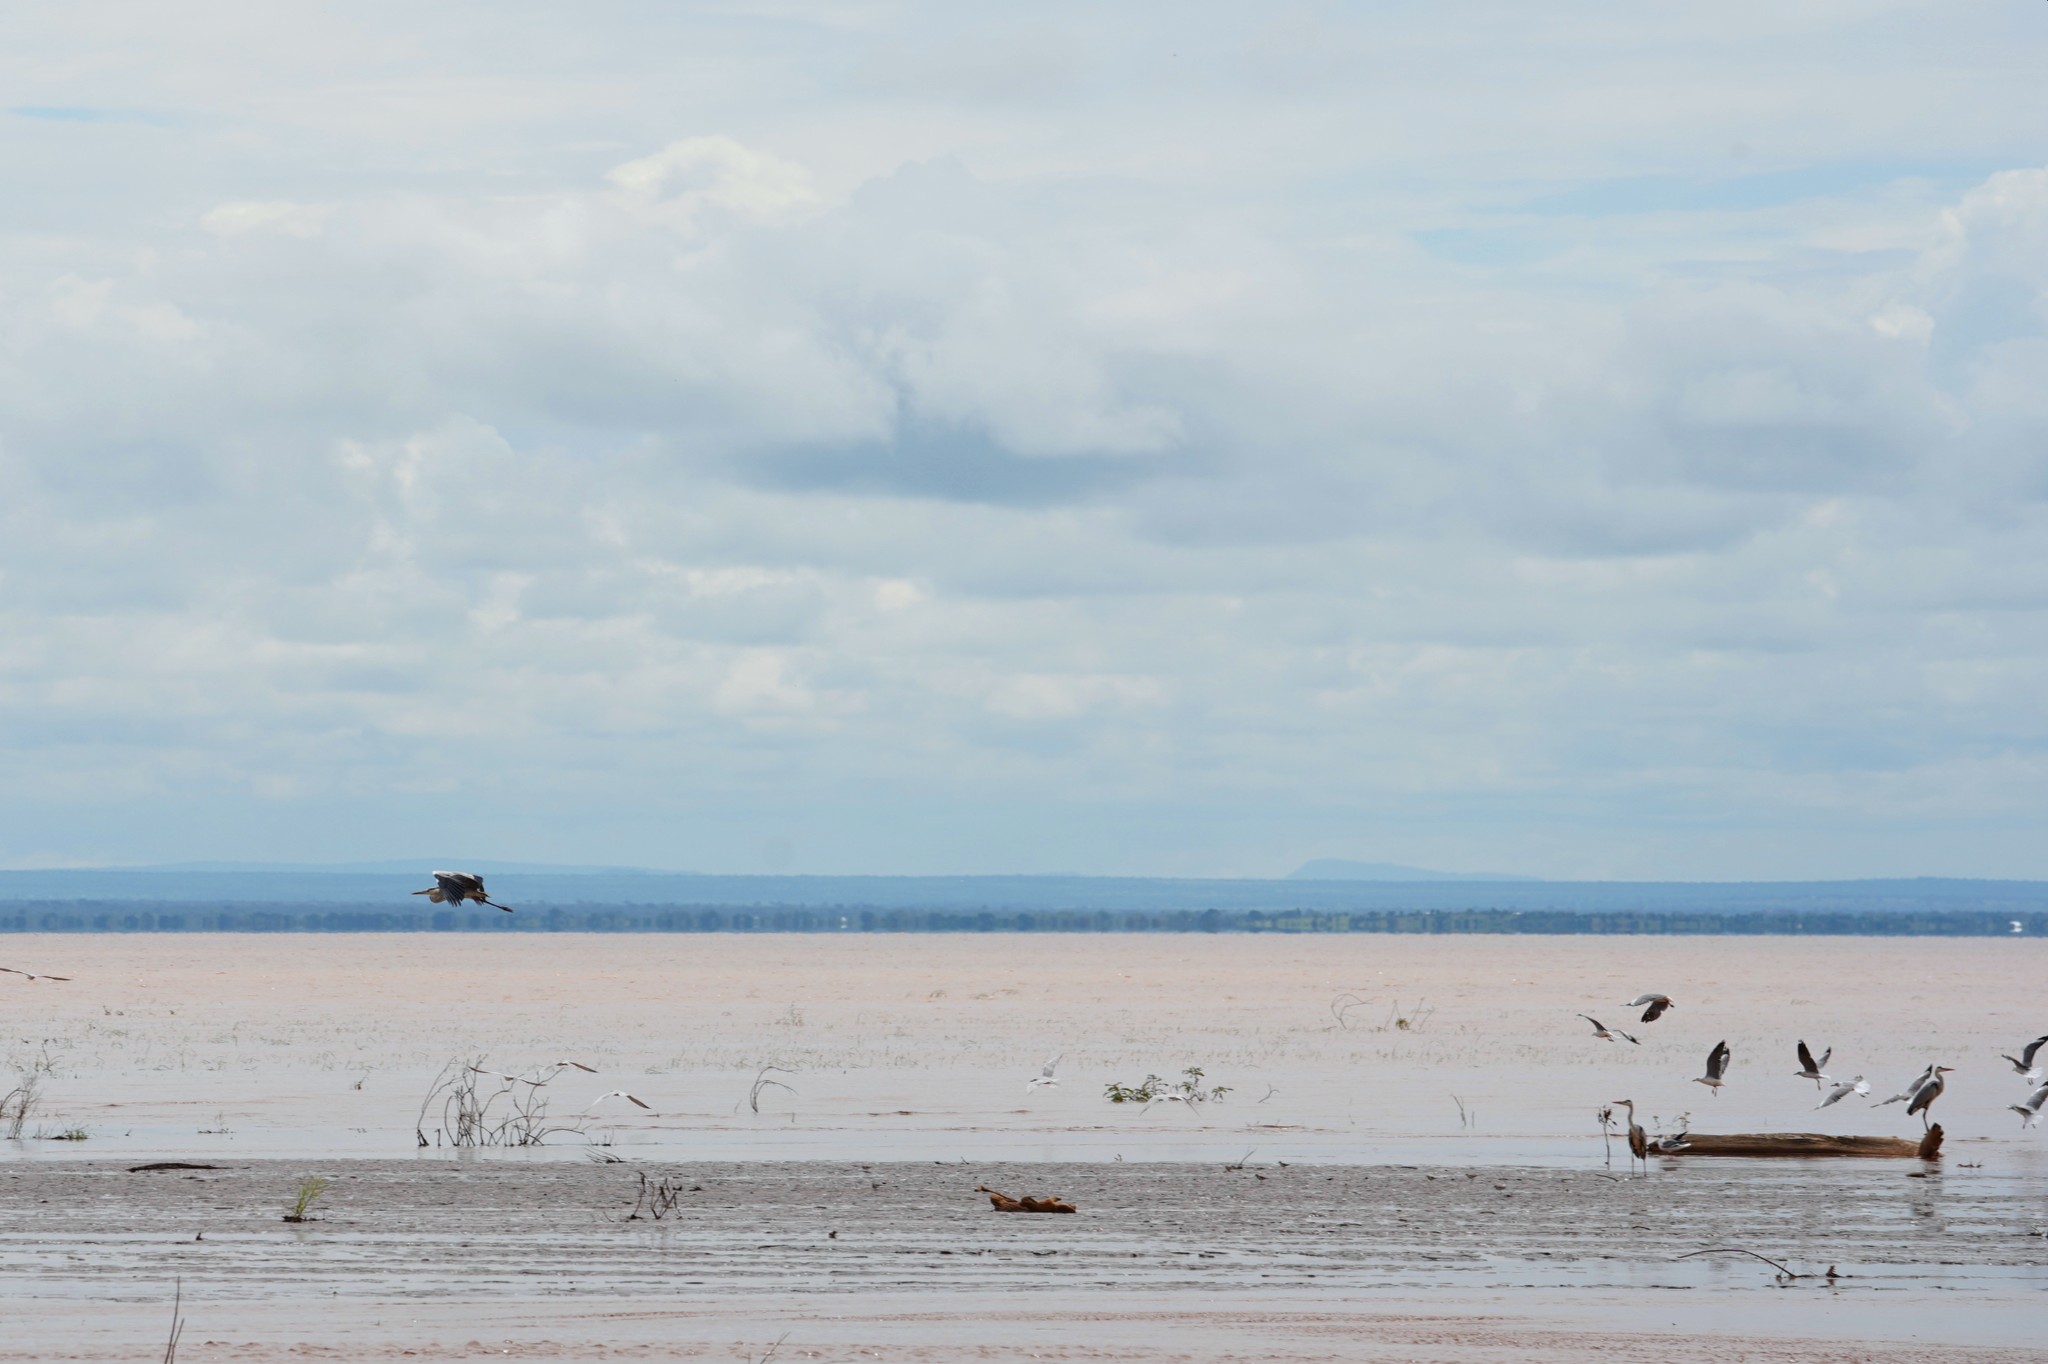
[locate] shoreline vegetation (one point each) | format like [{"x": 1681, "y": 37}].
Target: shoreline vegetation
[{"x": 182, "y": 916}]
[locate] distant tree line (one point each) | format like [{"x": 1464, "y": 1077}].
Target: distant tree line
[{"x": 171, "y": 916}]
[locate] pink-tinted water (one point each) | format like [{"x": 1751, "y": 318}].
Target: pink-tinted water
[{"x": 1353, "y": 1048}]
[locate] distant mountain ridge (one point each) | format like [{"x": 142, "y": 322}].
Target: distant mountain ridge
[{"x": 1343, "y": 869}]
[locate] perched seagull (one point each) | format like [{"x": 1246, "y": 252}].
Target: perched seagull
[
  {"x": 453, "y": 887},
  {"x": 14, "y": 971},
  {"x": 2029, "y": 1109},
  {"x": 1658, "y": 1004},
  {"x": 1924, "y": 1097},
  {"x": 1605, "y": 1033},
  {"x": 2023, "y": 1063},
  {"x": 1672, "y": 1143},
  {"x": 1843, "y": 1091},
  {"x": 1044, "y": 1077},
  {"x": 1810, "y": 1069},
  {"x": 1912, "y": 1087},
  {"x": 1717, "y": 1067},
  {"x": 615, "y": 1094}
]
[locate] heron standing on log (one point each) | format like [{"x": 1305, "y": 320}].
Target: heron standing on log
[{"x": 1924, "y": 1097}]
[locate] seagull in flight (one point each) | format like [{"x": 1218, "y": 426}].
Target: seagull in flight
[
  {"x": 1717, "y": 1067},
  {"x": 2029, "y": 1108},
  {"x": 15, "y": 971},
  {"x": 453, "y": 887},
  {"x": 616, "y": 1094},
  {"x": 1605, "y": 1033},
  {"x": 1658, "y": 1004},
  {"x": 1912, "y": 1087},
  {"x": 1843, "y": 1091},
  {"x": 1810, "y": 1069},
  {"x": 2024, "y": 1062},
  {"x": 1044, "y": 1077}
]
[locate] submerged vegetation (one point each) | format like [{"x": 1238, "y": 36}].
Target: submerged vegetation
[{"x": 1188, "y": 1090}]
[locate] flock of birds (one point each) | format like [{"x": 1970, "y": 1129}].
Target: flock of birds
[{"x": 1918, "y": 1095}]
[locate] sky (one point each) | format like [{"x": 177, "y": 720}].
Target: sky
[{"x": 1603, "y": 441}]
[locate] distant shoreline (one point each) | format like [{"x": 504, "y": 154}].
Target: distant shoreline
[{"x": 159, "y": 916}]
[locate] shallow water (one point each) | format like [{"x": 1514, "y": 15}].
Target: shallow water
[
  {"x": 920, "y": 1047},
  {"x": 1511, "y": 1235}
]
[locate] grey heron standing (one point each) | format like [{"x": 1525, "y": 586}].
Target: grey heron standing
[
  {"x": 453, "y": 887},
  {"x": 1717, "y": 1068},
  {"x": 1638, "y": 1140},
  {"x": 1924, "y": 1097}
]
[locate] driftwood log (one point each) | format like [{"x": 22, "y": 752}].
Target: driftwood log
[
  {"x": 1810, "y": 1144},
  {"x": 1004, "y": 1203}
]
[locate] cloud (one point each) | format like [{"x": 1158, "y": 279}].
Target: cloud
[{"x": 1174, "y": 459}]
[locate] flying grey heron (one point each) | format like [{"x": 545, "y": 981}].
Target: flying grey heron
[
  {"x": 1810, "y": 1069},
  {"x": 1924, "y": 1097},
  {"x": 35, "y": 975},
  {"x": 2024, "y": 1062},
  {"x": 453, "y": 887},
  {"x": 1843, "y": 1091},
  {"x": 1912, "y": 1087},
  {"x": 1605, "y": 1033},
  {"x": 1717, "y": 1068},
  {"x": 1658, "y": 1004},
  {"x": 1638, "y": 1140},
  {"x": 2029, "y": 1108},
  {"x": 1044, "y": 1077}
]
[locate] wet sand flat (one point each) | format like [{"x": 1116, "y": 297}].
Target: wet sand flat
[
  {"x": 1424, "y": 1175},
  {"x": 442, "y": 1257}
]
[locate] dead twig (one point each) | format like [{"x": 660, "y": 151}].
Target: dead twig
[
  {"x": 1783, "y": 1269},
  {"x": 177, "y": 1322},
  {"x": 762, "y": 1082},
  {"x": 657, "y": 1198}
]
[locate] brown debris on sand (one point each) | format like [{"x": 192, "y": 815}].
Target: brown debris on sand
[
  {"x": 1810, "y": 1144},
  {"x": 1004, "y": 1203}
]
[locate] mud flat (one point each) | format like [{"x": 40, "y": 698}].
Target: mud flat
[{"x": 455, "y": 1258}]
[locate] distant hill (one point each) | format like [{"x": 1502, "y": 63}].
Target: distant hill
[
  {"x": 409, "y": 866},
  {"x": 1339, "y": 869}
]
